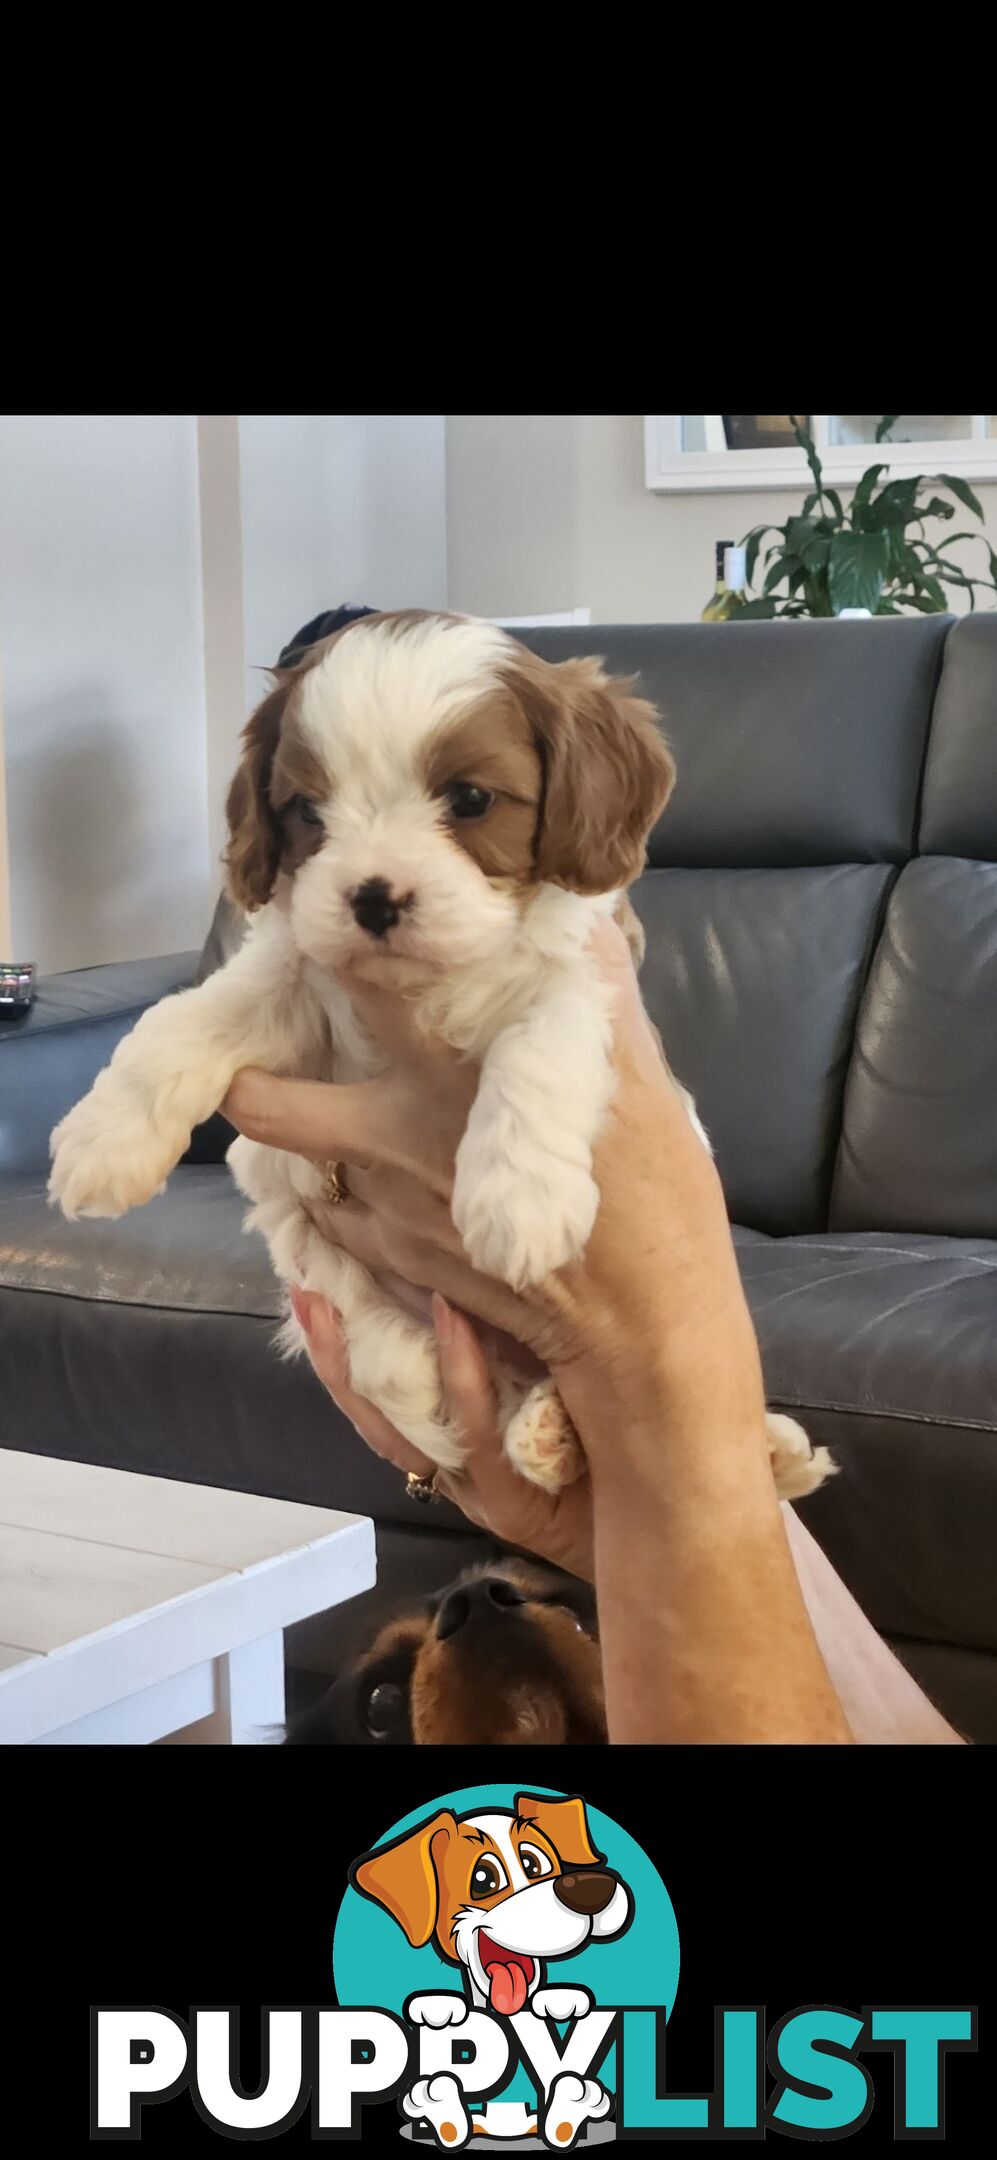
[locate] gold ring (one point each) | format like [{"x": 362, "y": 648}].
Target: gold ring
[
  {"x": 419, "y": 1487},
  {"x": 334, "y": 1186}
]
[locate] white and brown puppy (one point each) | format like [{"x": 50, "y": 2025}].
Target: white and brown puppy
[
  {"x": 424, "y": 797},
  {"x": 500, "y": 1893}
]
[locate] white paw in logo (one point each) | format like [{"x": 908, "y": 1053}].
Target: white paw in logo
[
  {"x": 439, "y": 2102},
  {"x": 561, "y": 2003},
  {"x": 573, "y": 2101},
  {"x": 437, "y": 2010}
]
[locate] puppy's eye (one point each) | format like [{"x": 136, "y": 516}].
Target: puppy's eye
[
  {"x": 535, "y": 1863},
  {"x": 385, "y": 1710},
  {"x": 489, "y": 1875},
  {"x": 465, "y": 800},
  {"x": 305, "y": 809}
]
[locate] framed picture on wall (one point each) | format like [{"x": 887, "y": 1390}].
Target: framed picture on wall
[{"x": 686, "y": 451}]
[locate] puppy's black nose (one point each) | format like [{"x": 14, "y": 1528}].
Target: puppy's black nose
[
  {"x": 482, "y": 1600},
  {"x": 589, "y": 1893},
  {"x": 375, "y": 907}
]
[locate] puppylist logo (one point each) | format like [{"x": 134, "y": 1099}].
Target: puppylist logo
[{"x": 505, "y": 1964}]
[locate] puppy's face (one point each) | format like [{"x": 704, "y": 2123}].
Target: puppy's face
[
  {"x": 506, "y": 1654},
  {"x": 417, "y": 776},
  {"x": 501, "y": 1892}
]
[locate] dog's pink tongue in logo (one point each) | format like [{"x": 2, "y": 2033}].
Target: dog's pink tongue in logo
[{"x": 509, "y": 1975}]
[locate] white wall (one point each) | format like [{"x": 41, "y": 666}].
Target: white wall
[
  {"x": 330, "y": 507},
  {"x": 146, "y": 565},
  {"x": 338, "y": 507},
  {"x": 103, "y": 690},
  {"x": 550, "y": 511}
]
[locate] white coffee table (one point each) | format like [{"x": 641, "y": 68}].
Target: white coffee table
[{"x": 134, "y": 1608}]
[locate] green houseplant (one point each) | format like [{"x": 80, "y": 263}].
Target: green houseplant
[{"x": 874, "y": 555}]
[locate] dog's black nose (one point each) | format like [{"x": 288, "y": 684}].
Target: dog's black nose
[
  {"x": 588, "y": 1893},
  {"x": 480, "y": 1600},
  {"x": 375, "y": 907}
]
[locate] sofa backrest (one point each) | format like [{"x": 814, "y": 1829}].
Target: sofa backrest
[
  {"x": 821, "y": 909},
  {"x": 919, "y": 1141}
]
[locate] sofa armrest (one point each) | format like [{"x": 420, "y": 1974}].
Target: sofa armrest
[{"x": 50, "y": 1056}]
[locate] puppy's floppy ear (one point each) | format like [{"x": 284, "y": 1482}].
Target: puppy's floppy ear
[
  {"x": 403, "y": 1877},
  {"x": 607, "y": 775},
  {"x": 565, "y": 1823},
  {"x": 252, "y": 856}
]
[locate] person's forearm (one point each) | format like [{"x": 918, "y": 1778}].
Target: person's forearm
[{"x": 705, "y": 1633}]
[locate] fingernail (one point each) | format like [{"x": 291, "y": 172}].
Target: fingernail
[{"x": 443, "y": 1319}]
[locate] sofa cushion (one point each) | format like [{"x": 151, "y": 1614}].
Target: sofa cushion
[
  {"x": 919, "y": 1138},
  {"x": 225, "y": 935},
  {"x": 50, "y": 1057},
  {"x": 147, "y": 1344},
  {"x": 886, "y": 1348},
  {"x": 796, "y": 742},
  {"x": 753, "y": 978},
  {"x": 959, "y": 806}
]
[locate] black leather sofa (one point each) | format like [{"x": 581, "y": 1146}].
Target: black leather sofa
[{"x": 821, "y": 908}]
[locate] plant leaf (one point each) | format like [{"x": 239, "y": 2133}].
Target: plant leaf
[
  {"x": 904, "y": 563},
  {"x": 888, "y": 421},
  {"x": 806, "y": 443},
  {"x": 894, "y": 505},
  {"x": 964, "y": 493},
  {"x": 752, "y": 542},
  {"x": 756, "y": 611},
  {"x": 862, "y": 493},
  {"x": 857, "y": 570},
  {"x": 807, "y": 541}
]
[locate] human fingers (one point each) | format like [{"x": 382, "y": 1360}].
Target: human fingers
[
  {"x": 371, "y": 1121},
  {"x": 388, "y": 1249},
  {"x": 487, "y": 1487},
  {"x": 326, "y": 1340}
]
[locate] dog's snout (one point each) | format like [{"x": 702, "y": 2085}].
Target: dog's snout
[
  {"x": 589, "y": 1893},
  {"x": 480, "y": 1600},
  {"x": 375, "y": 907}
]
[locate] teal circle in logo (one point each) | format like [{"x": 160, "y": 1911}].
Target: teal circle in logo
[{"x": 374, "y": 1963}]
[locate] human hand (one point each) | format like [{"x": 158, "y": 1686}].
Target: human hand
[
  {"x": 486, "y": 1489},
  {"x": 654, "y": 1303}
]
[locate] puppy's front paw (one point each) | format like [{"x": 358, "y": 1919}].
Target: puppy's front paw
[
  {"x": 436, "y": 2010},
  {"x": 107, "y": 1157},
  {"x": 522, "y": 1223},
  {"x": 560, "y": 2003},
  {"x": 573, "y": 2102},
  {"x": 797, "y": 1467},
  {"x": 541, "y": 1442},
  {"x": 439, "y": 2102}
]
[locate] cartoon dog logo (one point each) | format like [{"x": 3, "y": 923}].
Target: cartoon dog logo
[{"x": 501, "y": 1894}]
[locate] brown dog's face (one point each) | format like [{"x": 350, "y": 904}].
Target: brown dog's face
[
  {"x": 508, "y": 1653},
  {"x": 501, "y": 1891},
  {"x": 417, "y": 776}
]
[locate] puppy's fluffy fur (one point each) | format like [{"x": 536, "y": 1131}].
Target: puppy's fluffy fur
[{"x": 423, "y": 797}]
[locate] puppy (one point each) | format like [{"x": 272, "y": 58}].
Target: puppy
[
  {"x": 508, "y": 1652},
  {"x": 500, "y": 1894},
  {"x": 422, "y": 798}
]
